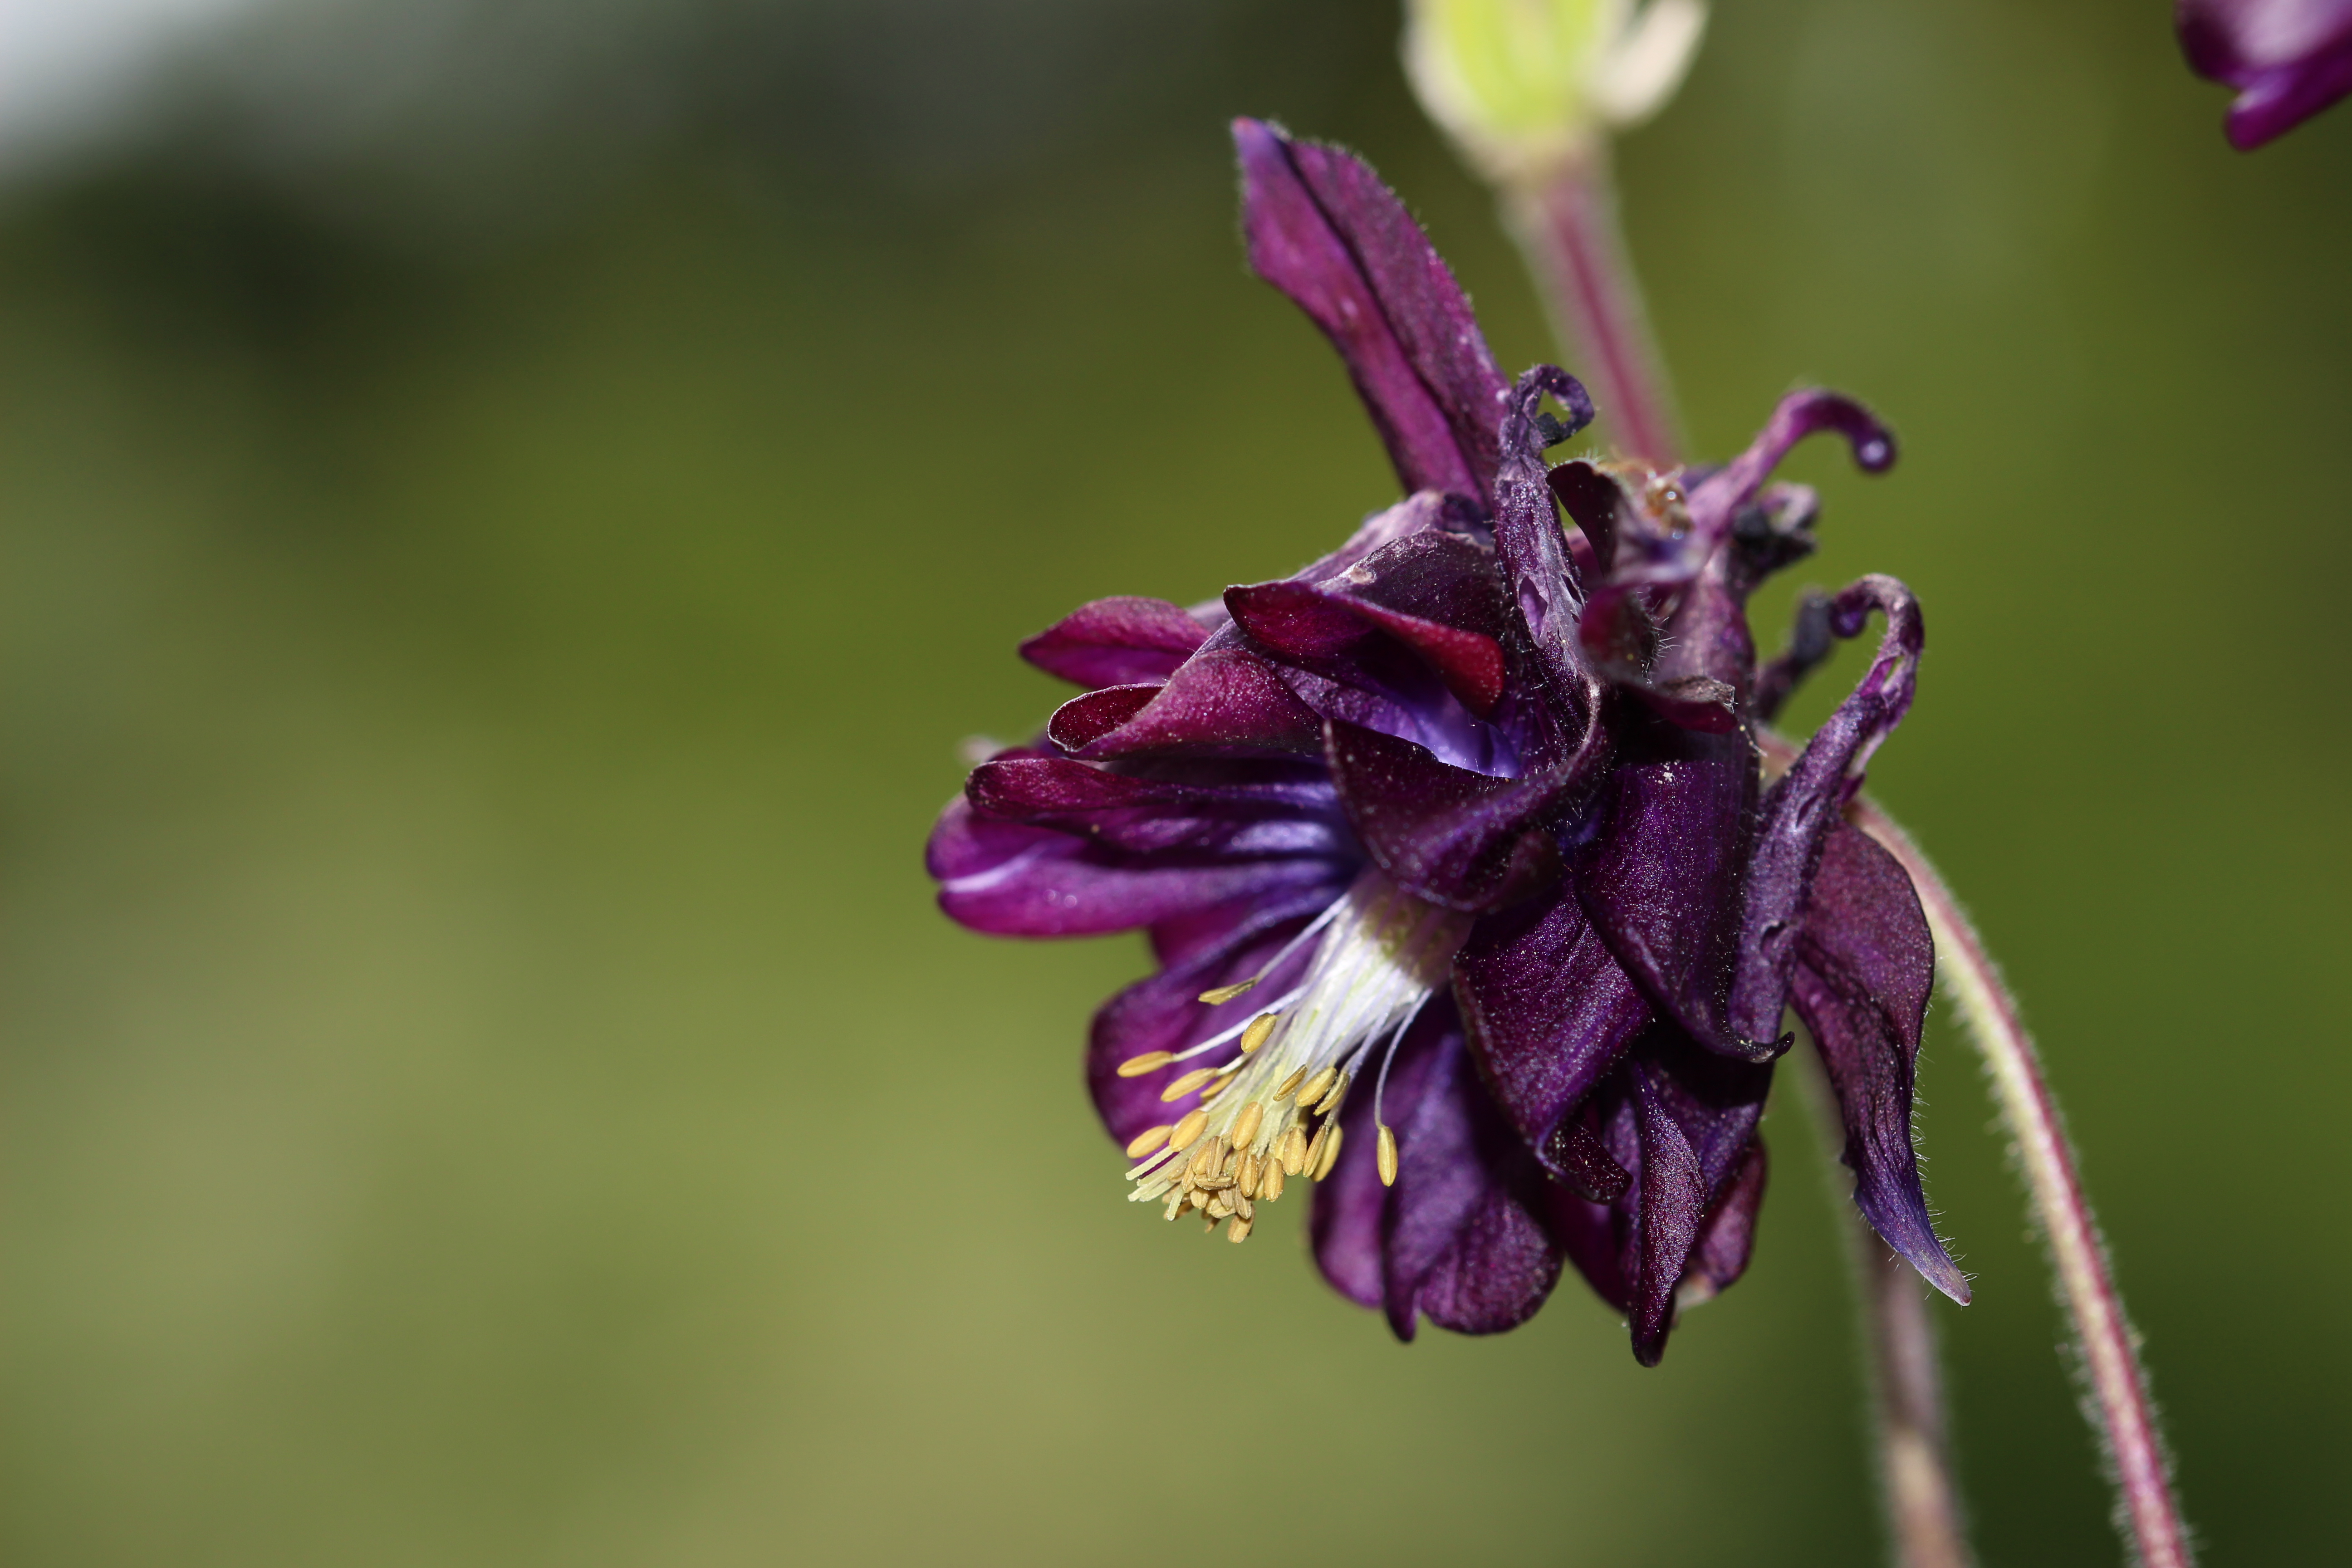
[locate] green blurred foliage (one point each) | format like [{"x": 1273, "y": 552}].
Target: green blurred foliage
[{"x": 483, "y": 1081}]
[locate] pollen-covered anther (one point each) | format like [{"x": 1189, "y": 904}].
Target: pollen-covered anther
[
  {"x": 1268, "y": 1111},
  {"x": 1187, "y": 1084}
]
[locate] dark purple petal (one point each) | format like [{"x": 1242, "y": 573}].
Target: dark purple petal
[
  {"x": 1662, "y": 879},
  {"x": 1142, "y": 815},
  {"x": 1117, "y": 642},
  {"x": 1011, "y": 880},
  {"x": 1224, "y": 702},
  {"x": 1805, "y": 804},
  {"x": 1695, "y": 1116},
  {"x": 1323, "y": 230},
  {"x": 1466, "y": 840},
  {"x": 1811, "y": 643},
  {"x": 1726, "y": 1236},
  {"x": 1082, "y": 721},
  {"x": 1460, "y": 1238},
  {"x": 1672, "y": 1200},
  {"x": 1864, "y": 968},
  {"x": 2288, "y": 58},
  {"x": 1550, "y": 1013}
]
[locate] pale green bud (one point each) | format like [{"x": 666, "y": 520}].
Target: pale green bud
[{"x": 1525, "y": 86}]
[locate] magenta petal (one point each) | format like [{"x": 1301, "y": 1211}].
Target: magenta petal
[
  {"x": 1550, "y": 1013},
  {"x": 1083, "y": 721},
  {"x": 1865, "y": 966},
  {"x": 1323, "y": 230},
  {"x": 2288, "y": 58},
  {"x": 1466, "y": 840},
  {"x": 1117, "y": 642},
  {"x": 1224, "y": 702}
]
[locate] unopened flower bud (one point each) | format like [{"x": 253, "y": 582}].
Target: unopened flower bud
[{"x": 1522, "y": 86}]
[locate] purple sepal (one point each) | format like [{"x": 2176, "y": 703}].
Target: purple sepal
[
  {"x": 1123, "y": 641},
  {"x": 1865, "y": 964},
  {"x": 1223, "y": 702},
  {"x": 1541, "y": 572},
  {"x": 1727, "y": 1236},
  {"x": 1009, "y": 879},
  {"x": 1550, "y": 1014},
  {"x": 1805, "y": 804},
  {"x": 1323, "y": 230},
  {"x": 2288, "y": 59},
  {"x": 1460, "y": 1239},
  {"x": 1145, "y": 815},
  {"x": 1695, "y": 1115}
]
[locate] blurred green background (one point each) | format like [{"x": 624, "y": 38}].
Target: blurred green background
[{"x": 509, "y": 510}]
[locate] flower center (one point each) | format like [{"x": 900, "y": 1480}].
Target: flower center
[{"x": 1271, "y": 1111}]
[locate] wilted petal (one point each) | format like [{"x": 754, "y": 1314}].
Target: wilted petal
[
  {"x": 1867, "y": 962},
  {"x": 1323, "y": 230},
  {"x": 1121, "y": 641},
  {"x": 1550, "y": 1013}
]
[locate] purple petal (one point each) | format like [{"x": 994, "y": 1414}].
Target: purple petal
[
  {"x": 1727, "y": 1235},
  {"x": 1466, "y": 840},
  {"x": 1805, "y": 804},
  {"x": 1011, "y": 880},
  {"x": 2288, "y": 58},
  {"x": 1695, "y": 1116},
  {"x": 1223, "y": 702},
  {"x": 1550, "y": 1013},
  {"x": 1147, "y": 816},
  {"x": 1715, "y": 502},
  {"x": 1117, "y": 642},
  {"x": 1866, "y": 964},
  {"x": 1543, "y": 586},
  {"x": 1323, "y": 230},
  {"x": 1662, "y": 879}
]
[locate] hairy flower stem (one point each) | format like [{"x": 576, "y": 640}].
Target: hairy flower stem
[
  {"x": 2118, "y": 1401},
  {"x": 1923, "y": 1507},
  {"x": 1567, "y": 229}
]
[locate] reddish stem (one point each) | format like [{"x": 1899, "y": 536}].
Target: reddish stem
[
  {"x": 2125, "y": 1417},
  {"x": 1567, "y": 228}
]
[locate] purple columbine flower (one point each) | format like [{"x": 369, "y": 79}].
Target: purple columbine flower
[
  {"x": 2288, "y": 58},
  {"x": 1470, "y": 900}
]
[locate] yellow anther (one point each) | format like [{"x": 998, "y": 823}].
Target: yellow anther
[
  {"x": 1246, "y": 1178},
  {"x": 1220, "y": 1206},
  {"x": 1238, "y": 1231},
  {"x": 1314, "y": 1147},
  {"x": 1224, "y": 994},
  {"x": 1207, "y": 1158},
  {"x": 1209, "y": 1095},
  {"x": 1388, "y": 1156},
  {"x": 1260, "y": 1027},
  {"x": 1187, "y": 1084},
  {"x": 1150, "y": 1061},
  {"x": 1330, "y": 1101},
  {"x": 1148, "y": 1139},
  {"x": 1246, "y": 1124},
  {"x": 1269, "y": 1185},
  {"x": 1191, "y": 1128},
  {"x": 1242, "y": 1205},
  {"x": 1289, "y": 1083},
  {"x": 1330, "y": 1152},
  {"x": 1319, "y": 1085},
  {"x": 1294, "y": 1150}
]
